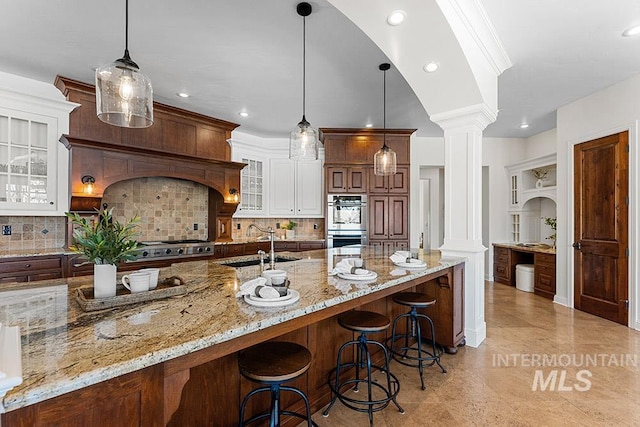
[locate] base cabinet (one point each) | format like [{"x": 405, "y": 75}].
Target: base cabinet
[
  {"x": 544, "y": 275},
  {"x": 29, "y": 269}
]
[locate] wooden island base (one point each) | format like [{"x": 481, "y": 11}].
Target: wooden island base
[{"x": 205, "y": 387}]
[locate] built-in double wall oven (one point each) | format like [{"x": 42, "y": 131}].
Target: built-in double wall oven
[{"x": 346, "y": 220}]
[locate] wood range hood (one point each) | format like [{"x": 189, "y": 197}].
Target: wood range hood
[{"x": 180, "y": 144}]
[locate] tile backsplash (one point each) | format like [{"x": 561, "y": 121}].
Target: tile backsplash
[
  {"x": 304, "y": 228},
  {"x": 33, "y": 232},
  {"x": 168, "y": 207}
]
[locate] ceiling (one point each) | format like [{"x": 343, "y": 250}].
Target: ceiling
[{"x": 246, "y": 55}]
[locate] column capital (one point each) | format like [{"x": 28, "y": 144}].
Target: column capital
[{"x": 477, "y": 115}]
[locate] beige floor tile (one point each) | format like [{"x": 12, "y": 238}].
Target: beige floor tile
[{"x": 493, "y": 385}]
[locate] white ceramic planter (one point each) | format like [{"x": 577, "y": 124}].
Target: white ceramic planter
[{"x": 104, "y": 280}]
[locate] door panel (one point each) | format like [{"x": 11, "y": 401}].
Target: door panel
[{"x": 601, "y": 186}]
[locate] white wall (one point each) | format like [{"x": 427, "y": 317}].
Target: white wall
[
  {"x": 541, "y": 144},
  {"x": 609, "y": 111}
]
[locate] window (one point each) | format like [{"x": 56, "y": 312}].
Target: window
[{"x": 251, "y": 185}]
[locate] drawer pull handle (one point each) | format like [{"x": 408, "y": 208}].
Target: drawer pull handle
[{"x": 27, "y": 265}]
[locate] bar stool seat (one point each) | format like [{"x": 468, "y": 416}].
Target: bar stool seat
[
  {"x": 364, "y": 322},
  {"x": 414, "y": 354},
  {"x": 273, "y": 363}
]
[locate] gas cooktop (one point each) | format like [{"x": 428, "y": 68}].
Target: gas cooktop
[{"x": 167, "y": 249}]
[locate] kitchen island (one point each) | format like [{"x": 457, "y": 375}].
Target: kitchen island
[{"x": 174, "y": 361}]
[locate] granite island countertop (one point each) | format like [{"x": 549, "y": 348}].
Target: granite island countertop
[{"x": 65, "y": 349}]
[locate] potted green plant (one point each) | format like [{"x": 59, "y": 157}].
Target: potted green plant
[
  {"x": 289, "y": 232},
  {"x": 553, "y": 223},
  {"x": 104, "y": 242}
]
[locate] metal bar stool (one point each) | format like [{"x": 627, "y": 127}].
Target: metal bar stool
[
  {"x": 414, "y": 355},
  {"x": 364, "y": 322},
  {"x": 274, "y": 363}
]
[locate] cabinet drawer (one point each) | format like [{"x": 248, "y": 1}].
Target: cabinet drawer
[
  {"x": 234, "y": 249},
  {"x": 545, "y": 269},
  {"x": 31, "y": 264},
  {"x": 307, "y": 246},
  {"x": 502, "y": 258},
  {"x": 286, "y": 246},
  {"x": 501, "y": 270},
  {"x": 545, "y": 259},
  {"x": 500, "y": 252},
  {"x": 545, "y": 282}
]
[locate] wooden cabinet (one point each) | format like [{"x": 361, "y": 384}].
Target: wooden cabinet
[
  {"x": 544, "y": 275},
  {"x": 397, "y": 183},
  {"x": 133, "y": 399},
  {"x": 29, "y": 269},
  {"x": 345, "y": 179},
  {"x": 388, "y": 218},
  {"x": 295, "y": 246},
  {"x": 174, "y": 130},
  {"x": 502, "y": 265}
]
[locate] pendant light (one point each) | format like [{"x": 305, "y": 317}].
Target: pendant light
[
  {"x": 124, "y": 96},
  {"x": 303, "y": 141},
  {"x": 384, "y": 161}
]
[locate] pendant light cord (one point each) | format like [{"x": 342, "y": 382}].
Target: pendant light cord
[
  {"x": 304, "y": 66},
  {"x": 126, "y": 30},
  {"x": 384, "y": 109}
]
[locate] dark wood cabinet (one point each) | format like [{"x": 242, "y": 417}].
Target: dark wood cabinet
[
  {"x": 388, "y": 218},
  {"x": 397, "y": 183},
  {"x": 506, "y": 258},
  {"x": 302, "y": 245},
  {"x": 30, "y": 269},
  {"x": 344, "y": 179},
  {"x": 544, "y": 275}
]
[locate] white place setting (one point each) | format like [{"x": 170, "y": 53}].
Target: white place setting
[
  {"x": 404, "y": 259},
  {"x": 353, "y": 269},
  {"x": 270, "y": 291}
]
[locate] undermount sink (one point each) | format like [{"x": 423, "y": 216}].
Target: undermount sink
[{"x": 256, "y": 261}]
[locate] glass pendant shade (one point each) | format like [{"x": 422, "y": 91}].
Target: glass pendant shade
[
  {"x": 124, "y": 96},
  {"x": 304, "y": 139},
  {"x": 303, "y": 142},
  {"x": 384, "y": 161}
]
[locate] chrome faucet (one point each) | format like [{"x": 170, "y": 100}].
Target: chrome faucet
[
  {"x": 261, "y": 254},
  {"x": 272, "y": 252}
]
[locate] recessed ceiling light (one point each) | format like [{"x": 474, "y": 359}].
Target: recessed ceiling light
[
  {"x": 243, "y": 114},
  {"x": 396, "y": 17},
  {"x": 431, "y": 67},
  {"x": 183, "y": 95},
  {"x": 631, "y": 31},
  {"x": 369, "y": 125},
  {"x": 524, "y": 125}
]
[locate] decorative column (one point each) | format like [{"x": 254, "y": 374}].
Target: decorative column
[{"x": 463, "y": 206}]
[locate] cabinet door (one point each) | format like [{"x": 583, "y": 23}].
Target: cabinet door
[
  {"x": 309, "y": 191},
  {"x": 378, "y": 183},
  {"x": 399, "y": 182},
  {"x": 357, "y": 182},
  {"x": 281, "y": 187},
  {"x": 398, "y": 217},
  {"x": 30, "y": 158},
  {"x": 336, "y": 179},
  {"x": 378, "y": 218}
]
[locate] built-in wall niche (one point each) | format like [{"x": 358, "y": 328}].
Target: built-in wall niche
[
  {"x": 531, "y": 221},
  {"x": 546, "y": 175}
]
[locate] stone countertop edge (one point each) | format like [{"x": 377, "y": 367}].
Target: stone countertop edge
[
  {"x": 535, "y": 249},
  {"x": 34, "y": 393}
]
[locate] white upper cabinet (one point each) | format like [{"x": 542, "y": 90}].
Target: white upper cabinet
[
  {"x": 34, "y": 165},
  {"x": 272, "y": 185},
  {"x": 295, "y": 188}
]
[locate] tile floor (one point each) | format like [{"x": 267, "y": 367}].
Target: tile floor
[{"x": 480, "y": 390}]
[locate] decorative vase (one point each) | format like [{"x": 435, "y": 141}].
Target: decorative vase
[
  {"x": 289, "y": 234},
  {"x": 104, "y": 280},
  {"x": 539, "y": 184}
]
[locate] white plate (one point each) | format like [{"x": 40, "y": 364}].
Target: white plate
[
  {"x": 253, "y": 283},
  {"x": 289, "y": 295},
  {"x": 348, "y": 276},
  {"x": 420, "y": 264},
  {"x": 292, "y": 296}
]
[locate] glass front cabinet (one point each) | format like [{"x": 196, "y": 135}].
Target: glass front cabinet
[{"x": 34, "y": 165}]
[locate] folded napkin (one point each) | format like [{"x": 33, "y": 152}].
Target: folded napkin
[
  {"x": 401, "y": 257},
  {"x": 351, "y": 266},
  {"x": 249, "y": 287}
]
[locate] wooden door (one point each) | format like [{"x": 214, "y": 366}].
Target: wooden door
[
  {"x": 378, "y": 218},
  {"x": 398, "y": 217},
  {"x": 601, "y": 187},
  {"x": 336, "y": 179},
  {"x": 357, "y": 180}
]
